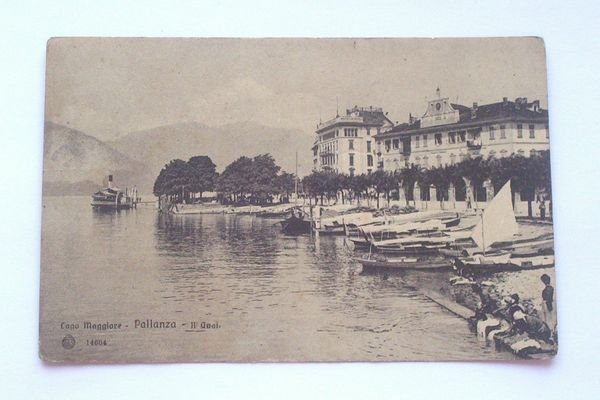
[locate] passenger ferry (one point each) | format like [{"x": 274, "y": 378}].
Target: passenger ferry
[{"x": 113, "y": 198}]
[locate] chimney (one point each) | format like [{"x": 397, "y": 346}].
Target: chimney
[{"x": 474, "y": 111}]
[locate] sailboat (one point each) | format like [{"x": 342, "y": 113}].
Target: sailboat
[{"x": 499, "y": 225}]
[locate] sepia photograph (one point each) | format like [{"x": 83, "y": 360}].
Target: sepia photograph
[{"x": 296, "y": 200}]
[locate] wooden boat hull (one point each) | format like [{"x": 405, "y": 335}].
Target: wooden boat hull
[
  {"x": 507, "y": 262},
  {"x": 332, "y": 230},
  {"x": 295, "y": 226},
  {"x": 405, "y": 265}
]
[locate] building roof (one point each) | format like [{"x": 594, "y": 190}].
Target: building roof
[
  {"x": 370, "y": 116},
  {"x": 516, "y": 110},
  {"x": 357, "y": 116}
]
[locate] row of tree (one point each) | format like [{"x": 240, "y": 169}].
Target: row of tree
[
  {"x": 258, "y": 180},
  {"x": 528, "y": 174},
  {"x": 255, "y": 180}
]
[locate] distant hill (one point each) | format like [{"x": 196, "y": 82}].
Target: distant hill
[
  {"x": 74, "y": 161},
  {"x": 157, "y": 146}
]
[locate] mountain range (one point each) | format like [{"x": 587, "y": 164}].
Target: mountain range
[{"x": 77, "y": 163}]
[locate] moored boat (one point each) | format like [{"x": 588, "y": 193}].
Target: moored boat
[
  {"x": 296, "y": 224},
  {"x": 405, "y": 264},
  {"x": 113, "y": 198}
]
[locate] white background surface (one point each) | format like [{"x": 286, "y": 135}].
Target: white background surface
[{"x": 570, "y": 29}]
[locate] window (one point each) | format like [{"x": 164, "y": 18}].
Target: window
[
  {"x": 462, "y": 137},
  {"x": 452, "y": 137},
  {"x": 417, "y": 141},
  {"x": 368, "y": 131},
  {"x": 531, "y": 131},
  {"x": 519, "y": 131},
  {"x": 351, "y": 144},
  {"x": 368, "y": 146},
  {"x": 388, "y": 143},
  {"x": 438, "y": 139},
  {"x": 452, "y": 159},
  {"x": 502, "y": 131},
  {"x": 369, "y": 160},
  {"x": 351, "y": 132},
  {"x": 418, "y": 160},
  {"x": 426, "y": 162},
  {"x": 547, "y": 132},
  {"x": 396, "y": 144},
  {"x": 521, "y": 152},
  {"x": 439, "y": 160},
  {"x": 492, "y": 133},
  {"x": 532, "y": 153},
  {"x": 424, "y": 140},
  {"x": 352, "y": 160}
]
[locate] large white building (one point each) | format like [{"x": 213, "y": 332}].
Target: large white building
[
  {"x": 346, "y": 143},
  {"x": 448, "y": 133}
]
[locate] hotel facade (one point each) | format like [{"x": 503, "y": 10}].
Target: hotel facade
[
  {"x": 347, "y": 144},
  {"x": 449, "y": 133}
]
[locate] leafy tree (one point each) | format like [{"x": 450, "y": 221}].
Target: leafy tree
[
  {"x": 440, "y": 177},
  {"x": 263, "y": 178},
  {"x": 203, "y": 174},
  {"x": 359, "y": 184},
  {"x": 286, "y": 184},
  {"x": 235, "y": 181},
  {"x": 409, "y": 175},
  {"x": 173, "y": 180}
]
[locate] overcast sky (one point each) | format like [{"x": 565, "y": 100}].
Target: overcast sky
[{"x": 109, "y": 87}]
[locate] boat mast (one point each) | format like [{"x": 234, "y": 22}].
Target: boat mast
[
  {"x": 296, "y": 180},
  {"x": 483, "y": 232}
]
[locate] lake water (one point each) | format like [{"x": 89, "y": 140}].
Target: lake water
[{"x": 273, "y": 297}]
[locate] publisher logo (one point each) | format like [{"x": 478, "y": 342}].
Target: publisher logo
[{"x": 68, "y": 342}]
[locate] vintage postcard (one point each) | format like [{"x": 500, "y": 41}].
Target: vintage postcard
[{"x": 247, "y": 200}]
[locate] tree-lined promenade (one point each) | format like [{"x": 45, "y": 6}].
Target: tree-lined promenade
[
  {"x": 468, "y": 178},
  {"x": 247, "y": 180},
  {"x": 259, "y": 180}
]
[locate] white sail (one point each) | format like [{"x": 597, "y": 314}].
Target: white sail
[{"x": 498, "y": 222}]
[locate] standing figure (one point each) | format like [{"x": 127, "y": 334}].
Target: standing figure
[
  {"x": 548, "y": 312},
  {"x": 542, "y": 209}
]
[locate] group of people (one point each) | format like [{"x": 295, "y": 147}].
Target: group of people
[{"x": 540, "y": 328}]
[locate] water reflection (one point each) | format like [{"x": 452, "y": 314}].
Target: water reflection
[{"x": 280, "y": 297}]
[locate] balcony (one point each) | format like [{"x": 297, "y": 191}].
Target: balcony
[{"x": 474, "y": 144}]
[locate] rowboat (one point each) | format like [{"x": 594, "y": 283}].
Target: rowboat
[
  {"x": 405, "y": 264},
  {"x": 506, "y": 262},
  {"x": 296, "y": 226}
]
